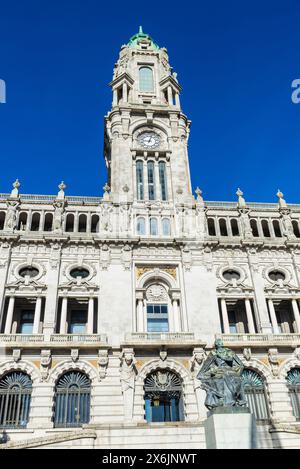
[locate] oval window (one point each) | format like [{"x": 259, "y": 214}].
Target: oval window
[
  {"x": 231, "y": 275},
  {"x": 28, "y": 272},
  {"x": 276, "y": 275},
  {"x": 79, "y": 272}
]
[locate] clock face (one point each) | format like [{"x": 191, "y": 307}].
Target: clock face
[{"x": 149, "y": 140}]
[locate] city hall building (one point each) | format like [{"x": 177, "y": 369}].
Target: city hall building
[{"x": 110, "y": 305}]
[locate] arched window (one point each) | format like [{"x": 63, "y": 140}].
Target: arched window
[
  {"x": 293, "y": 382},
  {"x": 151, "y": 180},
  {"x": 22, "y": 221},
  {"x": 163, "y": 180},
  {"x": 140, "y": 180},
  {"x": 253, "y": 224},
  {"x": 146, "y": 79},
  {"x": 163, "y": 397},
  {"x": 166, "y": 227},
  {"x": 140, "y": 226},
  {"x": 277, "y": 230},
  {"x": 95, "y": 224},
  {"x": 211, "y": 227},
  {"x": 82, "y": 223},
  {"x": 48, "y": 222},
  {"x": 255, "y": 394},
  {"x": 15, "y": 396},
  {"x": 265, "y": 228},
  {"x": 70, "y": 223},
  {"x": 296, "y": 228},
  {"x": 223, "y": 227},
  {"x": 35, "y": 222},
  {"x": 2, "y": 220},
  {"x": 234, "y": 227},
  {"x": 153, "y": 227},
  {"x": 72, "y": 400}
]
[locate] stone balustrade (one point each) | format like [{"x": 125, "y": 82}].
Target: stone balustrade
[{"x": 261, "y": 339}]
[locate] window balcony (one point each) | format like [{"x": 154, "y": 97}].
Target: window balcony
[
  {"x": 78, "y": 338},
  {"x": 172, "y": 339},
  {"x": 21, "y": 338},
  {"x": 260, "y": 340}
]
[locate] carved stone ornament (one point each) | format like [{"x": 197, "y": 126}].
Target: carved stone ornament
[
  {"x": 156, "y": 293},
  {"x": 163, "y": 355},
  {"x": 58, "y": 219},
  {"x": 102, "y": 363},
  {"x": 45, "y": 363},
  {"x": 297, "y": 353},
  {"x": 11, "y": 215},
  {"x": 274, "y": 361},
  {"x": 197, "y": 359},
  {"x": 74, "y": 354},
  {"x": 16, "y": 354},
  {"x": 247, "y": 353}
]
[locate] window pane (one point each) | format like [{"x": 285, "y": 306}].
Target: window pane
[
  {"x": 26, "y": 325},
  {"x": 146, "y": 79},
  {"x": 158, "y": 325},
  {"x": 140, "y": 180},
  {"x": 166, "y": 227},
  {"x": 163, "y": 180},
  {"x": 153, "y": 227},
  {"x": 141, "y": 226},
  {"x": 151, "y": 180}
]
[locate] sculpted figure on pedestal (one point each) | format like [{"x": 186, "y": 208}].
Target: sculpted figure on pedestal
[{"x": 221, "y": 378}]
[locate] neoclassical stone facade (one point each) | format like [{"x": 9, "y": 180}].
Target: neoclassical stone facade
[{"x": 109, "y": 305}]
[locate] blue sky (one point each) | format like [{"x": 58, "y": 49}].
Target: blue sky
[{"x": 235, "y": 61}]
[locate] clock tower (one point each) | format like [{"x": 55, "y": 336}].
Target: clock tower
[{"x": 146, "y": 132}]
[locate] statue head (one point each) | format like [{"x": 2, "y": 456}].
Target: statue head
[{"x": 218, "y": 343}]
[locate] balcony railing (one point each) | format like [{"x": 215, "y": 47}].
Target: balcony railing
[
  {"x": 281, "y": 339},
  {"x": 21, "y": 338},
  {"x": 160, "y": 336},
  {"x": 82, "y": 338}
]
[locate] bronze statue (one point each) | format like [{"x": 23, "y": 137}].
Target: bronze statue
[{"x": 221, "y": 378}]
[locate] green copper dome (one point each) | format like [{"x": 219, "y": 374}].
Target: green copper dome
[{"x": 133, "y": 42}]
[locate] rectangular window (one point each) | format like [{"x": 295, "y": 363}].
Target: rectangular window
[
  {"x": 163, "y": 180},
  {"x": 151, "y": 180},
  {"x": 232, "y": 322},
  {"x": 139, "y": 180},
  {"x": 26, "y": 323},
  {"x": 157, "y": 318},
  {"x": 78, "y": 322}
]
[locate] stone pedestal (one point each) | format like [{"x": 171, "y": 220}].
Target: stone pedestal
[{"x": 230, "y": 428}]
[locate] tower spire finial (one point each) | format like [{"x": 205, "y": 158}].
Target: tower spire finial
[{"x": 141, "y": 30}]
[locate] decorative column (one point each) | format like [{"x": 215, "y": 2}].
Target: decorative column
[
  {"x": 63, "y": 316},
  {"x": 273, "y": 317},
  {"x": 176, "y": 318},
  {"x": 115, "y": 97},
  {"x": 170, "y": 96},
  {"x": 9, "y": 317},
  {"x": 177, "y": 100},
  {"x": 145, "y": 178},
  {"x": 140, "y": 313},
  {"x": 90, "y": 323},
  {"x": 249, "y": 314},
  {"x": 124, "y": 92},
  {"x": 225, "y": 316},
  {"x": 37, "y": 315},
  {"x": 296, "y": 313},
  {"x": 156, "y": 180}
]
